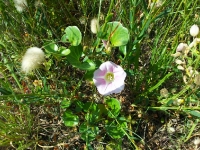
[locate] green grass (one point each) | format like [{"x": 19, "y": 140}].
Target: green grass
[{"x": 33, "y": 115}]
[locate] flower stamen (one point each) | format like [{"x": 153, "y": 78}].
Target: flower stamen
[{"x": 109, "y": 77}]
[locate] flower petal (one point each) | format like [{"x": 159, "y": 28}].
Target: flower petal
[
  {"x": 114, "y": 87},
  {"x": 109, "y": 66},
  {"x": 99, "y": 73},
  {"x": 101, "y": 85}
]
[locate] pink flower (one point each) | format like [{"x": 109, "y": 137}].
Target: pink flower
[{"x": 109, "y": 78}]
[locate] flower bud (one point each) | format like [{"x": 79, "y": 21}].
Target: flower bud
[{"x": 194, "y": 30}]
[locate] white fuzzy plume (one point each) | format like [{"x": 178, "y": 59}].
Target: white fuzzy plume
[
  {"x": 20, "y": 5},
  {"x": 32, "y": 59}
]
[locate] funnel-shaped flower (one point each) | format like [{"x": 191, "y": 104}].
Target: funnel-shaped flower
[{"x": 109, "y": 78}]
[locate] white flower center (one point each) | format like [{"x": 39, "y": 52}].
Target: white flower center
[{"x": 109, "y": 77}]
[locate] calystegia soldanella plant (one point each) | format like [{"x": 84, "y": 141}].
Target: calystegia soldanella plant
[{"x": 108, "y": 78}]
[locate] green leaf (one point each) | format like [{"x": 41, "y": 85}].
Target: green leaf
[
  {"x": 70, "y": 119},
  {"x": 87, "y": 106},
  {"x": 88, "y": 133},
  {"x": 87, "y": 65},
  {"x": 79, "y": 106},
  {"x": 113, "y": 107},
  {"x": 103, "y": 109},
  {"x": 195, "y": 113},
  {"x": 74, "y": 56},
  {"x": 114, "y": 145},
  {"x": 109, "y": 17},
  {"x": 115, "y": 130},
  {"x": 5, "y": 92},
  {"x": 64, "y": 51},
  {"x": 89, "y": 75},
  {"x": 65, "y": 103},
  {"x": 51, "y": 47},
  {"x": 123, "y": 50},
  {"x": 93, "y": 113},
  {"x": 64, "y": 38},
  {"x": 73, "y": 35},
  {"x": 117, "y": 34}
]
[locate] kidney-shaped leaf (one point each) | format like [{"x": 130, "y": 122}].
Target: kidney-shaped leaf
[
  {"x": 93, "y": 112},
  {"x": 88, "y": 65},
  {"x": 74, "y": 56},
  {"x": 117, "y": 34},
  {"x": 65, "y": 103},
  {"x": 64, "y": 51},
  {"x": 73, "y": 35},
  {"x": 113, "y": 106},
  {"x": 115, "y": 130},
  {"x": 70, "y": 119},
  {"x": 88, "y": 133},
  {"x": 51, "y": 47}
]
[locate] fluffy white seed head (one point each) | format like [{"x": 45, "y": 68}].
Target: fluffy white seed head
[
  {"x": 20, "y": 5},
  {"x": 194, "y": 30},
  {"x": 32, "y": 59},
  {"x": 94, "y": 25}
]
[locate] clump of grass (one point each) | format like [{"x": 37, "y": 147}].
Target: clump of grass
[{"x": 16, "y": 126}]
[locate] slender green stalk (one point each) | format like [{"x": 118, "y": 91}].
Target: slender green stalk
[
  {"x": 174, "y": 108},
  {"x": 191, "y": 130}
]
